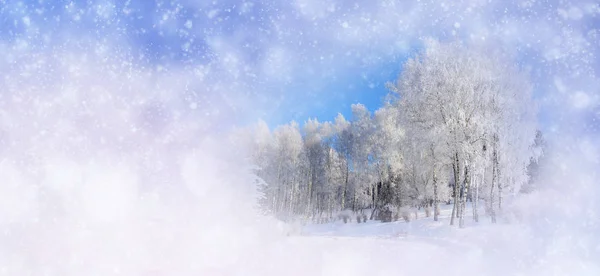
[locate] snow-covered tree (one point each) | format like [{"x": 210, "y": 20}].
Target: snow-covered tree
[
  {"x": 362, "y": 129},
  {"x": 388, "y": 159},
  {"x": 460, "y": 125},
  {"x": 290, "y": 165},
  {"x": 343, "y": 144},
  {"x": 459, "y": 98}
]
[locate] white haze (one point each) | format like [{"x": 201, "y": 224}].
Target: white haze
[
  {"x": 103, "y": 173},
  {"x": 105, "y": 169}
]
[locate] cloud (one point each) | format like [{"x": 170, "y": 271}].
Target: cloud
[{"x": 274, "y": 49}]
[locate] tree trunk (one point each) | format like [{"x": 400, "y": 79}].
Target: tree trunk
[
  {"x": 456, "y": 207},
  {"x": 494, "y": 180},
  {"x": 328, "y": 211},
  {"x": 373, "y": 195},
  {"x": 345, "y": 187},
  {"x": 376, "y": 199},
  {"x": 476, "y": 201},
  {"x": 453, "y": 213},
  {"x": 292, "y": 192},
  {"x": 499, "y": 190},
  {"x": 278, "y": 193},
  {"x": 309, "y": 192},
  {"x": 463, "y": 197},
  {"x": 283, "y": 198},
  {"x": 436, "y": 206}
]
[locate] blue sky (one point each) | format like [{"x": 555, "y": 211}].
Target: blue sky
[
  {"x": 325, "y": 100},
  {"x": 292, "y": 60}
]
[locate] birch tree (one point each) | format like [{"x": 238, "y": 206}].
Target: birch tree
[
  {"x": 290, "y": 167},
  {"x": 388, "y": 158},
  {"x": 458, "y": 97},
  {"x": 362, "y": 129},
  {"x": 343, "y": 145}
]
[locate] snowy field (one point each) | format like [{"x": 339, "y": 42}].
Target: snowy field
[
  {"x": 422, "y": 247},
  {"x": 425, "y": 247}
]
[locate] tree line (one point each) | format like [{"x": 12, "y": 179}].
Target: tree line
[{"x": 458, "y": 125}]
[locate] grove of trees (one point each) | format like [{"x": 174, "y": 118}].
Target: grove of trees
[{"x": 458, "y": 125}]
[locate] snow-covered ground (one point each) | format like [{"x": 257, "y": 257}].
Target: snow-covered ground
[
  {"x": 423, "y": 247},
  {"x": 421, "y": 226},
  {"x": 482, "y": 251}
]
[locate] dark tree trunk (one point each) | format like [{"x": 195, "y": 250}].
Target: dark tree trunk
[
  {"x": 456, "y": 207},
  {"x": 494, "y": 181}
]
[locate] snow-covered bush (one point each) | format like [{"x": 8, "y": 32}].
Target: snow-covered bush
[
  {"x": 386, "y": 213},
  {"x": 289, "y": 228},
  {"x": 345, "y": 215},
  {"x": 405, "y": 214}
]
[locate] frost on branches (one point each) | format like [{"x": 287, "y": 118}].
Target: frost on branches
[{"x": 458, "y": 126}]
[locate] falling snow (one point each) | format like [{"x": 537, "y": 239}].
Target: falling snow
[{"x": 128, "y": 134}]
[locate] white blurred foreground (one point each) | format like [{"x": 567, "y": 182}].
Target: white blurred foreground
[{"x": 108, "y": 225}]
